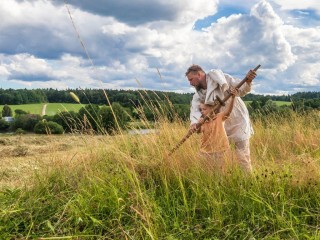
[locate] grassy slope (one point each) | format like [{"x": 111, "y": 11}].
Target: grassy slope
[
  {"x": 52, "y": 108},
  {"x": 279, "y": 103},
  {"x": 126, "y": 187}
]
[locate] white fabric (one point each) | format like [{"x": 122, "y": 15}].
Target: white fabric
[
  {"x": 238, "y": 125},
  {"x": 243, "y": 155}
]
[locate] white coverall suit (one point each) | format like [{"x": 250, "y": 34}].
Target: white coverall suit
[{"x": 238, "y": 125}]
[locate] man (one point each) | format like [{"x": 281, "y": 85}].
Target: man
[{"x": 238, "y": 126}]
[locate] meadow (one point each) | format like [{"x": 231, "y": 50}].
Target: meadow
[
  {"x": 51, "y": 108},
  {"x": 279, "y": 103},
  {"x": 127, "y": 187},
  {"x": 54, "y": 108}
]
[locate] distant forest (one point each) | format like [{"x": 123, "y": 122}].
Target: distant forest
[{"x": 126, "y": 98}]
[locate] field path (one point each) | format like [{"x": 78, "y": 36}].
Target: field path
[{"x": 43, "y": 112}]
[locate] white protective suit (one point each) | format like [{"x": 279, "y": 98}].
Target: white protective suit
[{"x": 238, "y": 125}]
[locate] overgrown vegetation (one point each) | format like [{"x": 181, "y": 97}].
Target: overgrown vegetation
[{"x": 128, "y": 188}]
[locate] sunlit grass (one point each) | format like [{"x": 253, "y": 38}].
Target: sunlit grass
[
  {"x": 126, "y": 187},
  {"x": 278, "y": 103}
]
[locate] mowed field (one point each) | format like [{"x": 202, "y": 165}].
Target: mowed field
[
  {"x": 51, "y": 108},
  {"x": 23, "y": 157}
]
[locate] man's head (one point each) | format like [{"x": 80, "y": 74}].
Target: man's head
[{"x": 196, "y": 76}]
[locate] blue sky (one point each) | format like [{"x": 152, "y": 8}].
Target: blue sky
[
  {"x": 222, "y": 11},
  {"x": 131, "y": 42}
]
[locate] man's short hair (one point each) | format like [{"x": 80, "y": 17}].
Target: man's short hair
[{"x": 194, "y": 68}]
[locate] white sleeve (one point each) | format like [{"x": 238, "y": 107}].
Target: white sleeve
[
  {"x": 216, "y": 85},
  {"x": 195, "y": 113},
  {"x": 243, "y": 90}
]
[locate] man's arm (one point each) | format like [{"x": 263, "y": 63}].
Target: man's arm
[
  {"x": 246, "y": 87},
  {"x": 195, "y": 113}
]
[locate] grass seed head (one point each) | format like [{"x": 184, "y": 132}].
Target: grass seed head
[{"x": 75, "y": 97}]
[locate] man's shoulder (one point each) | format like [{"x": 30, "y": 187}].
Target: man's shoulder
[{"x": 215, "y": 71}]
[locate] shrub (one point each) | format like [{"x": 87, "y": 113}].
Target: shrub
[
  {"x": 68, "y": 120},
  {"x": 20, "y": 112},
  {"x": 4, "y": 125},
  {"x": 27, "y": 122},
  {"x": 44, "y": 127},
  {"x": 20, "y": 131}
]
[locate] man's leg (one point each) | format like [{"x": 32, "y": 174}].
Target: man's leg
[{"x": 243, "y": 154}]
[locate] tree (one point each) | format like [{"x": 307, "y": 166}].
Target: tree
[
  {"x": 121, "y": 114},
  {"x": 108, "y": 120},
  {"x": 6, "y": 111},
  {"x": 270, "y": 106},
  {"x": 89, "y": 115},
  {"x": 255, "y": 105},
  {"x": 68, "y": 120},
  {"x": 182, "y": 111}
]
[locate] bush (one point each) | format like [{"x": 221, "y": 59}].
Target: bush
[
  {"x": 44, "y": 127},
  {"x": 20, "y": 131},
  {"x": 27, "y": 121},
  {"x": 4, "y": 125},
  {"x": 68, "y": 120},
  {"x": 20, "y": 112}
]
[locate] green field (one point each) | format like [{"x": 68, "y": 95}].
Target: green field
[
  {"x": 279, "y": 103},
  {"x": 51, "y": 109},
  {"x": 282, "y": 103}
]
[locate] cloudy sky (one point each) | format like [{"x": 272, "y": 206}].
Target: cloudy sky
[{"x": 121, "y": 44}]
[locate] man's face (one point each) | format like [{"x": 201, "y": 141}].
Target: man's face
[{"x": 194, "y": 79}]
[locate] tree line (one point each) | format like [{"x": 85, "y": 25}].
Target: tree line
[
  {"x": 127, "y": 105},
  {"x": 126, "y": 98},
  {"x": 98, "y": 118}
]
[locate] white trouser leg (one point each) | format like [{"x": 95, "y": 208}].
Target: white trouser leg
[{"x": 243, "y": 155}]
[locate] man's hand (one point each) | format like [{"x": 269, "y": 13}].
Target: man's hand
[
  {"x": 233, "y": 91},
  {"x": 250, "y": 76}
]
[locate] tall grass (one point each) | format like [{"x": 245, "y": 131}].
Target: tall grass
[{"x": 130, "y": 189}]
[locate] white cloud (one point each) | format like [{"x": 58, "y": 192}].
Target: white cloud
[
  {"x": 25, "y": 64},
  {"x": 124, "y": 48},
  {"x": 305, "y": 4},
  {"x": 4, "y": 72}
]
